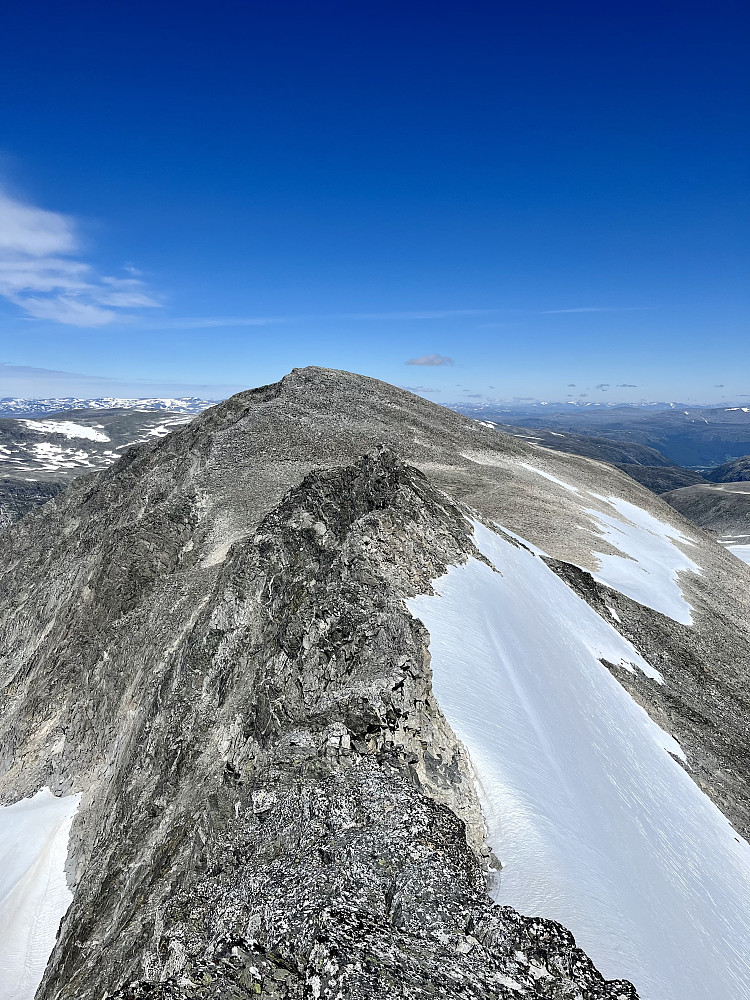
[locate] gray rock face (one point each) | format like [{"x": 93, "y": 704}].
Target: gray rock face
[
  {"x": 209, "y": 641},
  {"x": 18, "y": 497},
  {"x": 284, "y": 807}
]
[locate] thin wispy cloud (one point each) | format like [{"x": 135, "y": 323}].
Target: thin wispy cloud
[
  {"x": 208, "y": 322},
  {"x": 430, "y": 361},
  {"x": 595, "y": 309},
  {"x": 43, "y": 273},
  {"x": 26, "y": 381},
  {"x": 215, "y": 322},
  {"x": 419, "y": 388},
  {"x": 418, "y": 314}
]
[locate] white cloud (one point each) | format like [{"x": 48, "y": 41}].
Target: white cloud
[
  {"x": 41, "y": 271},
  {"x": 430, "y": 360}
]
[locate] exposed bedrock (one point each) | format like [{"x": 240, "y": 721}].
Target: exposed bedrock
[{"x": 274, "y": 803}]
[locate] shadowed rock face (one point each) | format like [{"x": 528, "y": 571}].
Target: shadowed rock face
[
  {"x": 18, "y": 497},
  {"x": 737, "y": 471},
  {"x": 209, "y": 641}
]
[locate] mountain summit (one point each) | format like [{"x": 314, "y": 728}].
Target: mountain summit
[{"x": 334, "y": 692}]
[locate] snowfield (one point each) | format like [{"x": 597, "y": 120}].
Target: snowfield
[
  {"x": 596, "y": 823},
  {"x": 34, "y": 894},
  {"x": 649, "y": 543},
  {"x": 67, "y": 428},
  {"x": 648, "y": 566}
]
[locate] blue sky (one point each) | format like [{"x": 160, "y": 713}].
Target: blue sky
[{"x": 530, "y": 199}]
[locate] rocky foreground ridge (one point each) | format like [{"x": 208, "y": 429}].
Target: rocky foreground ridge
[{"x": 209, "y": 642}]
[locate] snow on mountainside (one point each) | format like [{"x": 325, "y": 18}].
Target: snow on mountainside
[
  {"x": 34, "y": 893},
  {"x": 596, "y": 824},
  {"x": 230, "y": 629},
  {"x": 11, "y": 407},
  {"x": 77, "y": 441}
]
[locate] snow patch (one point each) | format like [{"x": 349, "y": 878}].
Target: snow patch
[
  {"x": 67, "y": 428},
  {"x": 596, "y": 824},
  {"x": 34, "y": 894},
  {"x": 650, "y": 561}
]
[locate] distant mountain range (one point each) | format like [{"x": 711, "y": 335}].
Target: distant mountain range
[
  {"x": 11, "y": 407},
  {"x": 646, "y": 465},
  {"x": 694, "y": 437},
  {"x": 44, "y": 447},
  {"x": 571, "y": 405}
]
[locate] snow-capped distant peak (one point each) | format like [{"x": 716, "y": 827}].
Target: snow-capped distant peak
[{"x": 10, "y": 407}]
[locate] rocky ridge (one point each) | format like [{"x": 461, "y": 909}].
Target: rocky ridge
[
  {"x": 286, "y": 810},
  {"x": 220, "y": 661}
]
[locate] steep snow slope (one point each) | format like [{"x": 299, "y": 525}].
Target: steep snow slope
[
  {"x": 594, "y": 821},
  {"x": 647, "y": 561},
  {"x": 34, "y": 893}
]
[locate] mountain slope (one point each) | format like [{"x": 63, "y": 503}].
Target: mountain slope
[
  {"x": 646, "y": 465},
  {"x": 40, "y": 455},
  {"x": 722, "y": 508},
  {"x": 737, "y": 471},
  {"x": 220, "y": 662},
  {"x": 696, "y": 438}
]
